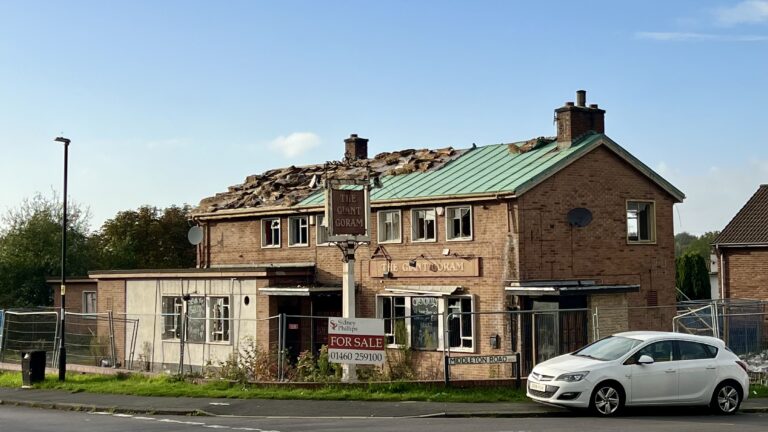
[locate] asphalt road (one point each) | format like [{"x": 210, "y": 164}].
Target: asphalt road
[{"x": 35, "y": 419}]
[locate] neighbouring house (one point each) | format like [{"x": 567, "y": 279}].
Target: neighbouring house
[
  {"x": 569, "y": 222},
  {"x": 742, "y": 251}
]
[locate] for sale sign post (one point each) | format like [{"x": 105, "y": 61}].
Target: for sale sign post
[{"x": 356, "y": 340}]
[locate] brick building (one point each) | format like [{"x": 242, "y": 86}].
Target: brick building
[
  {"x": 742, "y": 251},
  {"x": 569, "y": 222}
]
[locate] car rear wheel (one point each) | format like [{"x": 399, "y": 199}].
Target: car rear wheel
[
  {"x": 726, "y": 399},
  {"x": 607, "y": 400}
]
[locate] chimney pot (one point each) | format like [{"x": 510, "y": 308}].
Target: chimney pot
[
  {"x": 355, "y": 147},
  {"x": 569, "y": 104},
  {"x": 581, "y": 98},
  {"x": 593, "y": 106}
]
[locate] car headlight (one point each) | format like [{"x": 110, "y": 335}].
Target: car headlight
[{"x": 572, "y": 376}]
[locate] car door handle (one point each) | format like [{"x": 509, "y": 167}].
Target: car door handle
[
  {"x": 670, "y": 371},
  {"x": 711, "y": 367}
]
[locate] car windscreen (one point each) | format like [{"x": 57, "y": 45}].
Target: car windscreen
[{"x": 610, "y": 348}]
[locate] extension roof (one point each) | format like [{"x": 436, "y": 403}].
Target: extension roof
[
  {"x": 411, "y": 175},
  {"x": 750, "y": 225}
]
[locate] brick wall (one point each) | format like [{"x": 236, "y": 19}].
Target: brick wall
[
  {"x": 74, "y": 295},
  {"x": 746, "y": 273},
  {"x": 602, "y": 182},
  {"x": 111, "y": 297}
]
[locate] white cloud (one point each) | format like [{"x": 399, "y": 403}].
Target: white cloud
[
  {"x": 295, "y": 144},
  {"x": 698, "y": 37},
  {"x": 714, "y": 195},
  {"x": 746, "y": 12}
]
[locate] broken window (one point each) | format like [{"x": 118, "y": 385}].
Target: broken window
[
  {"x": 270, "y": 232},
  {"x": 298, "y": 231},
  {"x": 459, "y": 223},
  {"x": 322, "y": 230},
  {"x": 196, "y": 319},
  {"x": 640, "y": 222},
  {"x": 172, "y": 312},
  {"x": 423, "y": 221},
  {"x": 393, "y": 313},
  {"x": 460, "y": 322},
  {"x": 89, "y": 302},
  {"x": 389, "y": 226},
  {"x": 218, "y": 314}
]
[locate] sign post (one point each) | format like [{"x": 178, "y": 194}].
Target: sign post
[{"x": 348, "y": 215}]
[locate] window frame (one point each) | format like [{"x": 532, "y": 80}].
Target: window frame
[
  {"x": 291, "y": 221},
  {"x": 279, "y": 233},
  {"x": 464, "y": 314},
  {"x": 442, "y": 310},
  {"x": 181, "y": 312},
  {"x": 414, "y": 226},
  {"x": 379, "y": 225},
  {"x": 449, "y": 225},
  {"x": 319, "y": 228},
  {"x": 85, "y": 303},
  {"x": 651, "y": 221}
]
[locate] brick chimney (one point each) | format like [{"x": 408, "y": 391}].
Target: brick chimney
[
  {"x": 355, "y": 148},
  {"x": 573, "y": 121}
]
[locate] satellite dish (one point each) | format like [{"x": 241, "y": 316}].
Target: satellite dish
[
  {"x": 195, "y": 235},
  {"x": 579, "y": 217}
]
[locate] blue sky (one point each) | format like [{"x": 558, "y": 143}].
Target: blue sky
[{"x": 169, "y": 102}]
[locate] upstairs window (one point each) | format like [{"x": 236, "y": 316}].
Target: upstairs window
[
  {"x": 459, "y": 223},
  {"x": 641, "y": 222},
  {"x": 322, "y": 231},
  {"x": 270, "y": 232},
  {"x": 423, "y": 222},
  {"x": 389, "y": 226},
  {"x": 298, "y": 231}
]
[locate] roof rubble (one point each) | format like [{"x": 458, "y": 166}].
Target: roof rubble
[{"x": 288, "y": 186}]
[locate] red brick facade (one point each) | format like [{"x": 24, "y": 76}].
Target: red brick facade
[{"x": 745, "y": 272}]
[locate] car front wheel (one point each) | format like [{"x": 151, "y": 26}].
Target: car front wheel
[
  {"x": 726, "y": 399},
  {"x": 607, "y": 400}
]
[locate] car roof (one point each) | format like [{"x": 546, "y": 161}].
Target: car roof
[{"x": 653, "y": 335}]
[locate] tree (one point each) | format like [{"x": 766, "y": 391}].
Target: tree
[
  {"x": 147, "y": 238},
  {"x": 692, "y": 276},
  {"x": 30, "y": 249},
  {"x": 682, "y": 241}
]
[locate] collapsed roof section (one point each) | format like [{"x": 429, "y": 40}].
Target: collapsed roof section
[{"x": 285, "y": 187}]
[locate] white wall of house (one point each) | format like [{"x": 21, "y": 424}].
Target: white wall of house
[{"x": 144, "y": 301}]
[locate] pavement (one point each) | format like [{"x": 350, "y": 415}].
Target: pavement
[{"x": 271, "y": 408}]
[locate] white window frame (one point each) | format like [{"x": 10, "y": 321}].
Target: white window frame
[
  {"x": 651, "y": 221},
  {"x": 177, "y": 314},
  {"x": 85, "y": 303},
  {"x": 291, "y": 228},
  {"x": 264, "y": 230},
  {"x": 180, "y": 311},
  {"x": 406, "y": 311},
  {"x": 414, "y": 225},
  {"x": 442, "y": 309},
  {"x": 379, "y": 225},
  {"x": 449, "y": 224},
  {"x": 473, "y": 336},
  {"x": 320, "y": 228}
]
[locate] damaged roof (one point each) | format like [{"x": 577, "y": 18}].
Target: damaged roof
[
  {"x": 411, "y": 174},
  {"x": 749, "y": 226}
]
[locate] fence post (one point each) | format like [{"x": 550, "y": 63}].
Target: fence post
[
  {"x": 518, "y": 370},
  {"x": 2, "y": 337},
  {"x": 595, "y": 325},
  {"x": 447, "y": 351},
  {"x": 113, "y": 350},
  {"x": 280, "y": 345}
]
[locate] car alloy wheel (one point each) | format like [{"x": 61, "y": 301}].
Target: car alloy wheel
[
  {"x": 606, "y": 400},
  {"x": 727, "y": 399}
]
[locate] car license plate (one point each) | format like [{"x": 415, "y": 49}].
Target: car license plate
[{"x": 537, "y": 386}]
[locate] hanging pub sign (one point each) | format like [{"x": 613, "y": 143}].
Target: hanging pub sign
[{"x": 347, "y": 210}]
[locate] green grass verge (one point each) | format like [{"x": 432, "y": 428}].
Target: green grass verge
[{"x": 170, "y": 386}]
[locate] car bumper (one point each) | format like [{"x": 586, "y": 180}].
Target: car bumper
[{"x": 560, "y": 393}]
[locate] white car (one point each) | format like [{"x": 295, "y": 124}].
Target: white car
[{"x": 641, "y": 369}]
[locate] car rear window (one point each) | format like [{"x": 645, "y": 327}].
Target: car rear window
[{"x": 695, "y": 351}]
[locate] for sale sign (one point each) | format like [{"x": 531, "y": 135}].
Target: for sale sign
[{"x": 356, "y": 340}]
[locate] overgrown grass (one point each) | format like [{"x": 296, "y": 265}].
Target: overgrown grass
[{"x": 174, "y": 387}]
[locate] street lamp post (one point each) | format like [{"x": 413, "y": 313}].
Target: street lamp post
[{"x": 63, "y": 287}]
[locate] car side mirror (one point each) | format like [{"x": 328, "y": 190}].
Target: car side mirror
[{"x": 645, "y": 359}]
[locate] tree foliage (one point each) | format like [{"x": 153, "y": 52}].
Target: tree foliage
[
  {"x": 30, "y": 249},
  {"x": 30, "y": 245},
  {"x": 692, "y": 276},
  {"x": 147, "y": 238}
]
